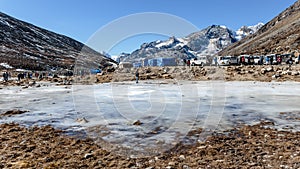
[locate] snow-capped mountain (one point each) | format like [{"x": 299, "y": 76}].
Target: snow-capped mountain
[
  {"x": 208, "y": 41},
  {"x": 247, "y": 30}
]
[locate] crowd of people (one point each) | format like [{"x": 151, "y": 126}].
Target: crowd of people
[{"x": 24, "y": 75}]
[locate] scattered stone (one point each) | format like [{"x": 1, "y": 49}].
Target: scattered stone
[
  {"x": 295, "y": 73},
  {"x": 86, "y": 156},
  {"x": 185, "y": 167},
  {"x": 137, "y": 123},
  {"x": 251, "y": 71},
  {"x": 171, "y": 163},
  {"x": 32, "y": 83},
  {"x": 13, "y": 112},
  {"x": 150, "y": 168},
  {"x": 263, "y": 70},
  {"x": 181, "y": 157},
  {"x": 24, "y": 87},
  {"x": 269, "y": 69},
  {"x": 82, "y": 120}
]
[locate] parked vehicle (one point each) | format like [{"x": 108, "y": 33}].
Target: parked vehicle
[
  {"x": 246, "y": 59},
  {"x": 271, "y": 59},
  {"x": 233, "y": 60},
  {"x": 297, "y": 60},
  {"x": 224, "y": 60},
  {"x": 285, "y": 57},
  {"x": 250, "y": 60},
  {"x": 258, "y": 60},
  {"x": 200, "y": 61}
]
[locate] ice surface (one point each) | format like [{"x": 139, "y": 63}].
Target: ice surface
[{"x": 167, "y": 111}]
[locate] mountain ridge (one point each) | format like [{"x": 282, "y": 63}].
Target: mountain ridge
[
  {"x": 206, "y": 42},
  {"x": 279, "y": 35},
  {"x": 26, "y": 46}
]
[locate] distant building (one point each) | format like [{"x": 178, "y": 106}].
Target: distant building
[
  {"x": 166, "y": 62},
  {"x": 160, "y": 62},
  {"x": 152, "y": 62},
  {"x": 145, "y": 62},
  {"x": 125, "y": 65},
  {"x": 137, "y": 64}
]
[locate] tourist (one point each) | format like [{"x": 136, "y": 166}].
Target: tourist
[
  {"x": 137, "y": 75},
  {"x": 5, "y": 76}
]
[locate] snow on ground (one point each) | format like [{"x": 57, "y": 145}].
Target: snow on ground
[{"x": 5, "y": 65}]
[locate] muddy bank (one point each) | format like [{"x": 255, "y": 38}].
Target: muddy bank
[{"x": 247, "y": 147}]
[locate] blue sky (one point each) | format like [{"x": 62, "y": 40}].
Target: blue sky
[{"x": 80, "y": 19}]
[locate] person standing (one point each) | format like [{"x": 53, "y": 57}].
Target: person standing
[
  {"x": 271, "y": 60},
  {"x": 5, "y": 76},
  {"x": 188, "y": 63},
  {"x": 137, "y": 74},
  {"x": 216, "y": 61}
]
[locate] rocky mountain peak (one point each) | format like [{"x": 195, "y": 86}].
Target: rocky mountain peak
[
  {"x": 247, "y": 30},
  {"x": 206, "y": 42}
]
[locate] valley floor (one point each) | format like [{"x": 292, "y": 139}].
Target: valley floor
[{"x": 268, "y": 143}]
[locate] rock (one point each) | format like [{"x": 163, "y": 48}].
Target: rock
[
  {"x": 82, "y": 120},
  {"x": 263, "y": 70},
  {"x": 167, "y": 76},
  {"x": 185, "y": 167},
  {"x": 295, "y": 73},
  {"x": 152, "y": 161},
  {"x": 202, "y": 147},
  {"x": 275, "y": 76},
  {"x": 251, "y": 71},
  {"x": 21, "y": 164},
  {"x": 24, "y": 87},
  {"x": 150, "y": 168},
  {"x": 171, "y": 163},
  {"x": 13, "y": 112},
  {"x": 167, "y": 69},
  {"x": 32, "y": 83},
  {"x": 137, "y": 123},
  {"x": 86, "y": 156},
  {"x": 181, "y": 157},
  {"x": 269, "y": 69}
]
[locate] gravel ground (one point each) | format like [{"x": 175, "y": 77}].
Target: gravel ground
[{"x": 245, "y": 147}]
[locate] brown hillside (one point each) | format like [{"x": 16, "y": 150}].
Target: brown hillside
[
  {"x": 26, "y": 46},
  {"x": 280, "y": 35}
]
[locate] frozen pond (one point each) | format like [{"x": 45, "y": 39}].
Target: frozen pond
[{"x": 164, "y": 113}]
